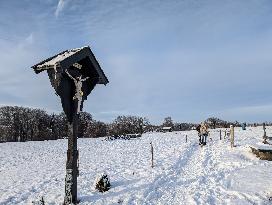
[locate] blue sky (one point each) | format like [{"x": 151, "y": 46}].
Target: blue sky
[{"x": 188, "y": 59}]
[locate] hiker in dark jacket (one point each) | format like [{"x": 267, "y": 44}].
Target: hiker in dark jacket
[{"x": 198, "y": 133}]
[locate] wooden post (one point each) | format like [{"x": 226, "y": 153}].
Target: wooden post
[
  {"x": 152, "y": 155},
  {"x": 264, "y": 136},
  {"x": 231, "y": 136},
  {"x": 264, "y": 129},
  {"x": 186, "y": 138},
  {"x": 220, "y": 135},
  {"x": 72, "y": 161}
]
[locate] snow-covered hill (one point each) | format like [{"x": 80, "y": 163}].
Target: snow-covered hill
[{"x": 184, "y": 173}]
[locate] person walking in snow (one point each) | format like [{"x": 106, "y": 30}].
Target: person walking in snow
[
  {"x": 203, "y": 133},
  {"x": 198, "y": 133}
]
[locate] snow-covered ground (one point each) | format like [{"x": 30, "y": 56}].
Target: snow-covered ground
[{"x": 184, "y": 173}]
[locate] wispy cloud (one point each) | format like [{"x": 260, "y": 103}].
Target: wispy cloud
[
  {"x": 30, "y": 38},
  {"x": 251, "y": 110},
  {"x": 60, "y": 7}
]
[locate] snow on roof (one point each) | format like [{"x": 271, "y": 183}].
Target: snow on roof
[
  {"x": 167, "y": 128},
  {"x": 261, "y": 146},
  {"x": 60, "y": 57},
  {"x": 69, "y": 58}
]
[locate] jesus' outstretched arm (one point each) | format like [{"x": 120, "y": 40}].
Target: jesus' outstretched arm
[
  {"x": 66, "y": 71},
  {"x": 84, "y": 79}
]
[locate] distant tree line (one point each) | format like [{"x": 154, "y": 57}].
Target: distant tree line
[
  {"x": 19, "y": 124},
  {"x": 214, "y": 122},
  {"x": 176, "y": 126}
]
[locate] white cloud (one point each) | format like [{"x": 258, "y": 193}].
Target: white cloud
[
  {"x": 30, "y": 38},
  {"x": 252, "y": 110},
  {"x": 60, "y": 7},
  {"x": 251, "y": 113}
]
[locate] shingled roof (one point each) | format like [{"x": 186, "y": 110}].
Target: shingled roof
[{"x": 69, "y": 58}]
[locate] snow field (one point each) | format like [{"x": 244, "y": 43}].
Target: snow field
[{"x": 184, "y": 173}]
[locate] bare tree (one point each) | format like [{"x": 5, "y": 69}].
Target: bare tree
[
  {"x": 168, "y": 122},
  {"x": 123, "y": 125}
]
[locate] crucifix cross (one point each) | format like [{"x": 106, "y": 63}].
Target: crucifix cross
[{"x": 78, "y": 92}]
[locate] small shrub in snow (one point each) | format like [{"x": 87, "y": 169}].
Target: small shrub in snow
[
  {"x": 102, "y": 183},
  {"x": 40, "y": 202}
]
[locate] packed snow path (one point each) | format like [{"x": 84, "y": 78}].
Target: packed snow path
[
  {"x": 184, "y": 173},
  {"x": 196, "y": 178}
]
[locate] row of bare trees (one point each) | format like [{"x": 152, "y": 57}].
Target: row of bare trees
[
  {"x": 168, "y": 122},
  {"x": 27, "y": 124},
  {"x": 19, "y": 124},
  {"x": 23, "y": 124},
  {"x": 212, "y": 123}
]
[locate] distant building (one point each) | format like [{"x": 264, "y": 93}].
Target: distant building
[{"x": 167, "y": 129}]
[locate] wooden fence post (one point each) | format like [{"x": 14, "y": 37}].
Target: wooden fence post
[
  {"x": 220, "y": 133},
  {"x": 152, "y": 155},
  {"x": 231, "y": 136},
  {"x": 264, "y": 129},
  {"x": 186, "y": 139}
]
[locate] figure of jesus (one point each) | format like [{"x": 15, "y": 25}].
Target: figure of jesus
[{"x": 78, "y": 92}]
